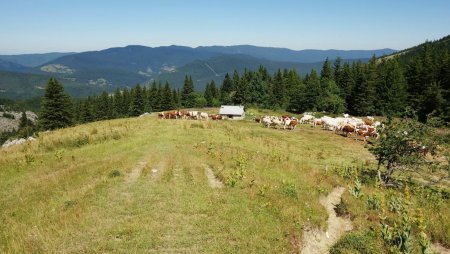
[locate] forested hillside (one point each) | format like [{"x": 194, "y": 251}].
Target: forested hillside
[{"x": 380, "y": 87}]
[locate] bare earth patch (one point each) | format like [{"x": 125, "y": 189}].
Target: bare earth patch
[
  {"x": 437, "y": 248},
  {"x": 212, "y": 179},
  {"x": 316, "y": 241},
  {"x": 156, "y": 172},
  {"x": 136, "y": 171}
]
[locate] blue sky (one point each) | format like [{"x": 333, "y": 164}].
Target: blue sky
[{"x": 36, "y": 26}]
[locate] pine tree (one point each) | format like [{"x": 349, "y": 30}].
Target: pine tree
[
  {"x": 327, "y": 71},
  {"x": 126, "y": 102},
  {"x": 363, "y": 96},
  {"x": 86, "y": 114},
  {"x": 279, "y": 97},
  {"x": 338, "y": 72},
  {"x": 241, "y": 86},
  {"x": 312, "y": 98},
  {"x": 117, "y": 103},
  {"x": 103, "y": 107},
  {"x": 152, "y": 97},
  {"x": 297, "y": 96},
  {"x": 187, "y": 93},
  {"x": 56, "y": 107},
  {"x": 137, "y": 101},
  {"x": 208, "y": 95},
  {"x": 23, "y": 120},
  {"x": 167, "y": 98},
  {"x": 226, "y": 90},
  {"x": 159, "y": 97},
  {"x": 176, "y": 98},
  {"x": 391, "y": 89},
  {"x": 346, "y": 83}
]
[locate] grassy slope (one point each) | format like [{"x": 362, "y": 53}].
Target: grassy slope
[{"x": 57, "y": 195}]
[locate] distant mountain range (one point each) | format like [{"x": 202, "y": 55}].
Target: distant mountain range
[
  {"x": 93, "y": 71},
  {"x": 33, "y": 60},
  {"x": 298, "y": 56}
]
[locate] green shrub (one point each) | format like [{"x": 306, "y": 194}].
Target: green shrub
[
  {"x": 373, "y": 203},
  {"x": 114, "y": 173},
  {"x": 69, "y": 204}
]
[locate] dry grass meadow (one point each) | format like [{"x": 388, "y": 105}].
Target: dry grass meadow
[{"x": 140, "y": 185}]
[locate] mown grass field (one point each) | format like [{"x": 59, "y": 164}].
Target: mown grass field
[{"x": 139, "y": 185}]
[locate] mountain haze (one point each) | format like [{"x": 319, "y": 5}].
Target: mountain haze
[
  {"x": 300, "y": 56},
  {"x": 33, "y": 60}
]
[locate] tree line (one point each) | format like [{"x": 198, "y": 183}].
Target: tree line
[{"x": 378, "y": 87}]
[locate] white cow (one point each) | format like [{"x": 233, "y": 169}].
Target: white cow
[
  {"x": 266, "y": 121},
  {"x": 286, "y": 122},
  {"x": 306, "y": 118},
  {"x": 276, "y": 122},
  {"x": 202, "y": 116},
  {"x": 193, "y": 114}
]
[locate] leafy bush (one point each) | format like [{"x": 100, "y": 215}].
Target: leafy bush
[
  {"x": 373, "y": 203},
  {"x": 69, "y": 204},
  {"x": 356, "y": 190},
  {"x": 114, "y": 173},
  {"x": 402, "y": 145}
]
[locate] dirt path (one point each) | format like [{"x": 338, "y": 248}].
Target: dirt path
[
  {"x": 136, "y": 171},
  {"x": 212, "y": 179},
  {"x": 316, "y": 241},
  {"x": 437, "y": 248}
]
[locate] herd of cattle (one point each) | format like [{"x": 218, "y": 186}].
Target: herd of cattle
[
  {"x": 345, "y": 125},
  {"x": 192, "y": 115}
]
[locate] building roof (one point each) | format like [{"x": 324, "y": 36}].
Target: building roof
[{"x": 231, "y": 110}]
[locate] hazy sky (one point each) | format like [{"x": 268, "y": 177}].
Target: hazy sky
[{"x": 36, "y": 26}]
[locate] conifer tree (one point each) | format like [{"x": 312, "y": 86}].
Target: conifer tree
[
  {"x": 167, "y": 98},
  {"x": 208, "y": 95},
  {"x": 103, "y": 107},
  {"x": 391, "y": 89},
  {"x": 126, "y": 102},
  {"x": 56, "y": 107},
  {"x": 346, "y": 83},
  {"x": 152, "y": 97},
  {"x": 313, "y": 92},
  {"x": 117, "y": 103},
  {"x": 279, "y": 98},
  {"x": 86, "y": 114},
  {"x": 226, "y": 89},
  {"x": 23, "y": 120},
  {"x": 241, "y": 86},
  {"x": 159, "y": 98},
  {"x": 363, "y": 95},
  {"x": 137, "y": 101},
  {"x": 187, "y": 93},
  {"x": 176, "y": 98},
  {"x": 327, "y": 71}
]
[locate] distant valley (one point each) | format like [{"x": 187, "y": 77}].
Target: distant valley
[{"x": 85, "y": 73}]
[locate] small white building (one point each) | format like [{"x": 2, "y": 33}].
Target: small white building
[{"x": 232, "y": 112}]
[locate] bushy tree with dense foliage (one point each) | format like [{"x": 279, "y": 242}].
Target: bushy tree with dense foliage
[{"x": 402, "y": 145}]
